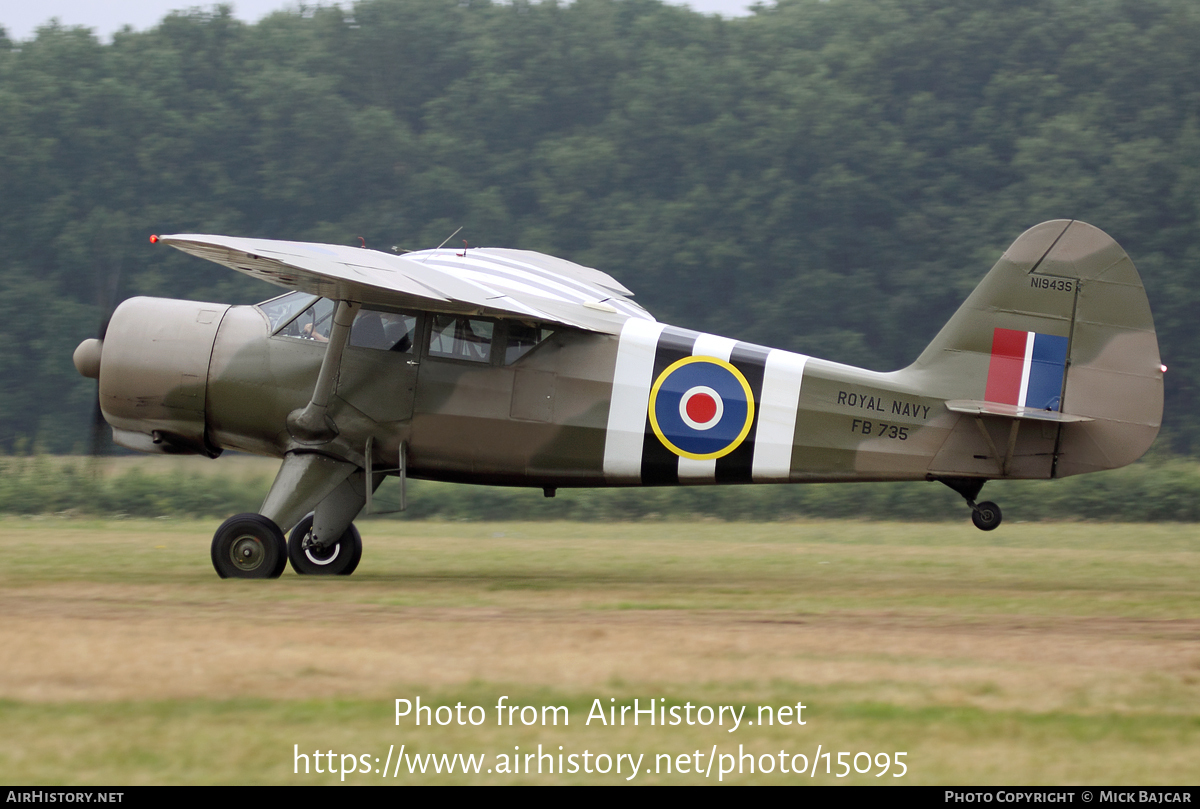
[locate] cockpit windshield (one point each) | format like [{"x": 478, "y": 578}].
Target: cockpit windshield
[
  {"x": 314, "y": 323},
  {"x": 282, "y": 309}
]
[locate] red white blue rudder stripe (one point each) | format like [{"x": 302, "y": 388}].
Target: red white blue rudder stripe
[{"x": 1027, "y": 369}]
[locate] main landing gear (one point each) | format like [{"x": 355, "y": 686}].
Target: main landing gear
[
  {"x": 251, "y": 546},
  {"x": 322, "y": 485},
  {"x": 986, "y": 515}
]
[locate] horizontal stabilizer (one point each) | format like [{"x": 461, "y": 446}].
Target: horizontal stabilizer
[{"x": 977, "y": 408}]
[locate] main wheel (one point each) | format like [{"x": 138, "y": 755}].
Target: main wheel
[
  {"x": 338, "y": 559},
  {"x": 986, "y": 516},
  {"x": 249, "y": 546}
]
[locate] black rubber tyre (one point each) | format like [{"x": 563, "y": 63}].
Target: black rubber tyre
[
  {"x": 986, "y": 516},
  {"x": 249, "y": 546},
  {"x": 338, "y": 560}
]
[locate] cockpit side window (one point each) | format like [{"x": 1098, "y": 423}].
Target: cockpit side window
[
  {"x": 461, "y": 338},
  {"x": 384, "y": 331}
]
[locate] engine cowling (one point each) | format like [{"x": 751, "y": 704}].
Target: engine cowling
[{"x": 153, "y": 371}]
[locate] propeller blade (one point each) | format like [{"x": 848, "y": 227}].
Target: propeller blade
[
  {"x": 100, "y": 433},
  {"x": 101, "y": 436}
]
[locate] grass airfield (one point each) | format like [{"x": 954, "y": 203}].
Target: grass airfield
[{"x": 1041, "y": 653}]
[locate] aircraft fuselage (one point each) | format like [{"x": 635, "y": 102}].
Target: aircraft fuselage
[{"x": 575, "y": 410}]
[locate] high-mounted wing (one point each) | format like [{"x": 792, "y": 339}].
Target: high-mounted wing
[{"x": 480, "y": 280}]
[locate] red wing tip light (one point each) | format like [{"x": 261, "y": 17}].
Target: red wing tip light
[{"x": 153, "y": 239}]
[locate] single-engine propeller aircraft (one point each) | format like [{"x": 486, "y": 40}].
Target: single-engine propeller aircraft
[{"x": 508, "y": 367}]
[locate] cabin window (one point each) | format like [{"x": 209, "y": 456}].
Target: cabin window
[
  {"x": 383, "y": 331},
  {"x": 282, "y": 309},
  {"x": 523, "y": 338},
  {"x": 461, "y": 338}
]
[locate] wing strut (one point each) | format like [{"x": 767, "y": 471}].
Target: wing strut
[{"x": 312, "y": 425}]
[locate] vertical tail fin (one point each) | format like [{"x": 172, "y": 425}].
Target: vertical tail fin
[{"x": 1060, "y": 323}]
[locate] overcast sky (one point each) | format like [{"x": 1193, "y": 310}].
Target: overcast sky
[{"x": 20, "y": 19}]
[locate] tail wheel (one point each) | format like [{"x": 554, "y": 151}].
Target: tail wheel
[
  {"x": 338, "y": 559},
  {"x": 986, "y": 516},
  {"x": 249, "y": 546}
]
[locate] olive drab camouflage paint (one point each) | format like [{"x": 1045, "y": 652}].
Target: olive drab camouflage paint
[{"x": 514, "y": 368}]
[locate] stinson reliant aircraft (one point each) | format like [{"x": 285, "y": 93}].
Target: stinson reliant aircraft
[{"x": 508, "y": 367}]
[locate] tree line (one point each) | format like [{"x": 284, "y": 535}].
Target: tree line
[{"x": 827, "y": 177}]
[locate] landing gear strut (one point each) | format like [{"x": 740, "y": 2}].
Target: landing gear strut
[{"x": 986, "y": 515}]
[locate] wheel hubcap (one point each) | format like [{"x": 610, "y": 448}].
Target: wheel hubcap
[{"x": 247, "y": 553}]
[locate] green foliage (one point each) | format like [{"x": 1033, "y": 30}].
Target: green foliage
[
  {"x": 40, "y": 484},
  {"x": 1165, "y": 491},
  {"x": 830, "y": 177}
]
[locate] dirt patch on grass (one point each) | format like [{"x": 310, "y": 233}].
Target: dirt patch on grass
[{"x": 120, "y": 641}]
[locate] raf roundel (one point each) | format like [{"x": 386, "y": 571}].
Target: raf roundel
[{"x": 701, "y": 408}]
